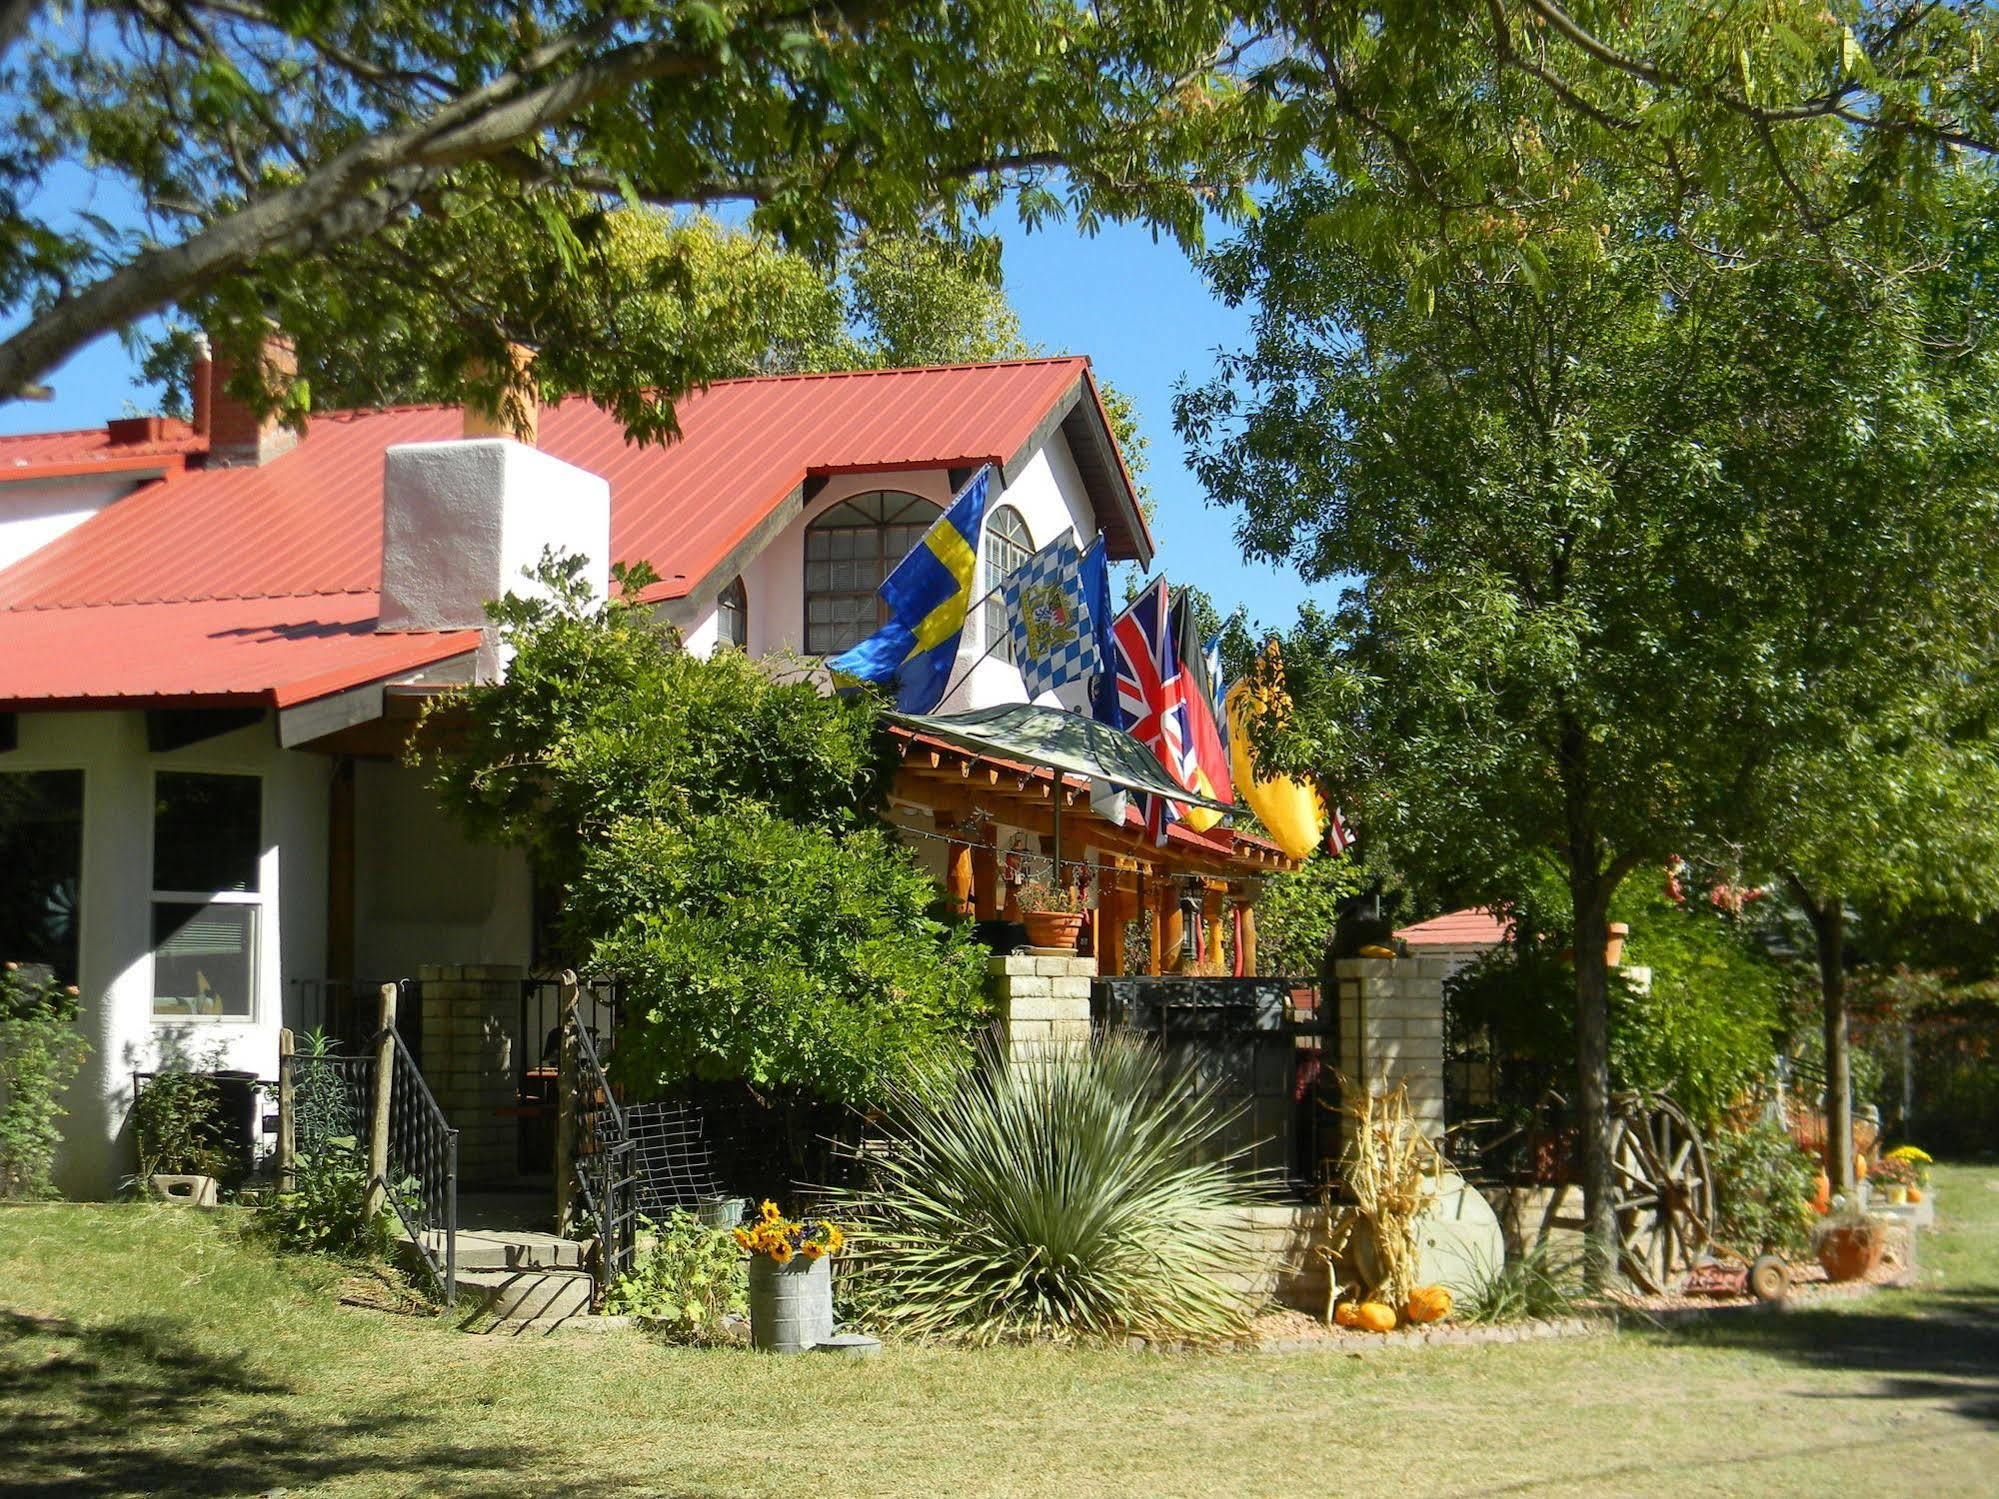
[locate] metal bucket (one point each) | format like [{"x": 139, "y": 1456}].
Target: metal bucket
[
  {"x": 718, "y": 1211},
  {"x": 791, "y": 1306}
]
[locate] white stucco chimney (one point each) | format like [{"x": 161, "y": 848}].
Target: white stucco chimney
[{"x": 461, "y": 521}]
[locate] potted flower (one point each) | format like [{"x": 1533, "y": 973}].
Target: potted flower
[
  {"x": 180, "y": 1147},
  {"x": 791, "y": 1279},
  {"x": 1850, "y": 1243},
  {"x": 1053, "y": 916},
  {"x": 1919, "y": 1162},
  {"x": 1895, "y": 1176}
]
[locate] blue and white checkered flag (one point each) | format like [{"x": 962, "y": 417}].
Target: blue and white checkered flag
[{"x": 1054, "y": 639}]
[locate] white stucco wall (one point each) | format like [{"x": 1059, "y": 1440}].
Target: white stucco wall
[
  {"x": 115, "y": 916},
  {"x": 34, "y": 512},
  {"x": 422, "y": 893},
  {"x": 1048, "y": 494}
]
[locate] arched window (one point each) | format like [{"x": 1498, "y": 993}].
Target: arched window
[
  {"x": 1007, "y": 547},
  {"x": 732, "y": 617},
  {"x": 848, "y": 551}
]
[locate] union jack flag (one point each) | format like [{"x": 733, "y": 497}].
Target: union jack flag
[{"x": 1152, "y": 697}]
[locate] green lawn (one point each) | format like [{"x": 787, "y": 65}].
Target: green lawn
[{"x": 146, "y": 1350}]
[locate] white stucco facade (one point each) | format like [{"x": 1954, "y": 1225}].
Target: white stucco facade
[{"x": 114, "y": 915}]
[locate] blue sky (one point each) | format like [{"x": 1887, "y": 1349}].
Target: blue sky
[{"x": 1137, "y": 308}]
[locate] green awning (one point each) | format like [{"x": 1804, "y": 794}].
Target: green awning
[{"x": 1059, "y": 739}]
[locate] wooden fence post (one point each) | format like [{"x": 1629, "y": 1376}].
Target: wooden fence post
[
  {"x": 287, "y": 1115},
  {"x": 378, "y": 1121},
  {"x": 566, "y": 1113}
]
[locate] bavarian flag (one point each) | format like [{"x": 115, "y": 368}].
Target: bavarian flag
[{"x": 928, "y": 595}]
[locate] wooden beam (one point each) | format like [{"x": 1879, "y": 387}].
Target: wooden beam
[
  {"x": 1171, "y": 923},
  {"x": 1212, "y": 911},
  {"x": 340, "y": 871},
  {"x": 957, "y": 869},
  {"x": 985, "y": 876},
  {"x": 1248, "y": 939}
]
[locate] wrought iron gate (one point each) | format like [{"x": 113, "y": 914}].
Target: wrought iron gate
[
  {"x": 1270, "y": 1045},
  {"x": 604, "y": 1170}
]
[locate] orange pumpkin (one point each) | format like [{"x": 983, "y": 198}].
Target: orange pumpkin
[
  {"x": 1347, "y": 1314},
  {"x": 1377, "y": 1316},
  {"x": 1428, "y": 1304},
  {"x": 1915, "y": 1194},
  {"x": 1821, "y": 1194}
]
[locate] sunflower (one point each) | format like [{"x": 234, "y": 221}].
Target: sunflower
[
  {"x": 770, "y": 1214},
  {"x": 780, "y": 1251},
  {"x": 745, "y": 1239},
  {"x": 812, "y": 1250}
]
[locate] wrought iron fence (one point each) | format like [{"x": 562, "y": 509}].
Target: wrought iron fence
[
  {"x": 537, "y": 1058},
  {"x": 329, "y": 1093},
  {"x": 1268, "y": 1044},
  {"x": 347, "y": 1011}
]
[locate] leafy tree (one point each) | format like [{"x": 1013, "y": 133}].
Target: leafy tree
[
  {"x": 1298, "y": 909},
  {"x": 279, "y": 156},
  {"x": 1627, "y": 512},
  {"x": 713, "y": 829}
]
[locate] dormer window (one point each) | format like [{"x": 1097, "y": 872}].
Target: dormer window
[
  {"x": 848, "y": 551},
  {"x": 1007, "y": 548},
  {"x": 732, "y": 617}
]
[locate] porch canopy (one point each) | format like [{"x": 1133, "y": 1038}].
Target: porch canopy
[
  {"x": 1022, "y": 765},
  {"x": 1060, "y": 740}
]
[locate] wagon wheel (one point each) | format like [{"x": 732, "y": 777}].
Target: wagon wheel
[{"x": 1662, "y": 1198}]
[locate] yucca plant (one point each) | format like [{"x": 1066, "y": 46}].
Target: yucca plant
[{"x": 1075, "y": 1194}]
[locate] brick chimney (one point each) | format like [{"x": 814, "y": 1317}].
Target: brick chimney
[
  {"x": 517, "y": 411},
  {"x": 237, "y": 435}
]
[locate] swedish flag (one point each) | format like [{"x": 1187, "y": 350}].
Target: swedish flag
[{"x": 928, "y": 596}]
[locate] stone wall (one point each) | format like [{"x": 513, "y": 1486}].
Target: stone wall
[
  {"x": 1392, "y": 1028},
  {"x": 470, "y": 1013},
  {"x": 1040, "y": 1000}
]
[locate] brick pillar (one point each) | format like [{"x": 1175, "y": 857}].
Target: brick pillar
[
  {"x": 1040, "y": 1001},
  {"x": 470, "y": 1014},
  {"x": 1392, "y": 1029}
]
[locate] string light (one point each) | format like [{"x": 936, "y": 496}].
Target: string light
[{"x": 1047, "y": 860}]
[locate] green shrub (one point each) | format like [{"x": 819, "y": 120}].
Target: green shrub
[
  {"x": 1074, "y": 1195},
  {"x": 325, "y": 1209},
  {"x": 40, "y": 1052},
  {"x": 1764, "y": 1186},
  {"x": 1704, "y": 1031},
  {"x": 755, "y": 947},
  {"x": 174, "y": 1123},
  {"x": 686, "y": 1279},
  {"x": 1536, "y": 1284},
  {"x": 1297, "y": 911}
]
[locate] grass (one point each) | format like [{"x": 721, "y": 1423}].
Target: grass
[{"x": 148, "y": 1350}]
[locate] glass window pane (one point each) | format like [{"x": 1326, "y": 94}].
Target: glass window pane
[
  {"x": 207, "y": 831},
  {"x": 41, "y": 868},
  {"x": 202, "y": 958}
]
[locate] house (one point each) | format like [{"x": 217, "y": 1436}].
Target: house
[{"x": 215, "y": 638}]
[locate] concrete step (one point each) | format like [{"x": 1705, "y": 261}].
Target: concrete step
[
  {"x": 511, "y": 1249},
  {"x": 513, "y": 1301}
]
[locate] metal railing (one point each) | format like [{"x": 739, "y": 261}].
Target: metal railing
[
  {"x": 605, "y": 1166},
  {"x": 421, "y": 1179}
]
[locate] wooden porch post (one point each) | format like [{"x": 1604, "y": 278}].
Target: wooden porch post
[
  {"x": 287, "y": 1112},
  {"x": 985, "y": 875},
  {"x": 1111, "y": 920},
  {"x": 1212, "y": 908},
  {"x": 340, "y": 871},
  {"x": 1148, "y": 901},
  {"x": 957, "y": 867},
  {"x": 378, "y": 1120},
  {"x": 1247, "y": 915},
  {"x": 1170, "y": 921}
]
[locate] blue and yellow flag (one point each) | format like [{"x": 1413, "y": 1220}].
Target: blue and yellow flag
[{"x": 928, "y": 596}]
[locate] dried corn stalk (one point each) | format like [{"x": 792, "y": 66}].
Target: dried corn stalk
[{"x": 1392, "y": 1172}]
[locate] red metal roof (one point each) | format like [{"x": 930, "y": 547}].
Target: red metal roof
[
  {"x": 275, "y": 652},
  {"x": 35, "y": 454},
  {"x": 1470, "y": 928},
  {"x": 308, "y": 524},
  {"x": 310, "y": 521}
]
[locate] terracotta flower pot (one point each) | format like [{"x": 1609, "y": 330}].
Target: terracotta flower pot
[
  {"x": 1851, "y": 1250},
  {"x": 1057, "y": 929},
  {"x": 1613, "y": 945}
]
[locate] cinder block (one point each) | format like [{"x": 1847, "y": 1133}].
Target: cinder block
[
  {"x": 1071, "y": 988},
  {"x": 1026, "y": 987},
  {"x": 1070, "y": 1030},
  {"x": 1041, "y": 1007},
  {"x": 1012, "y": 963}
]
